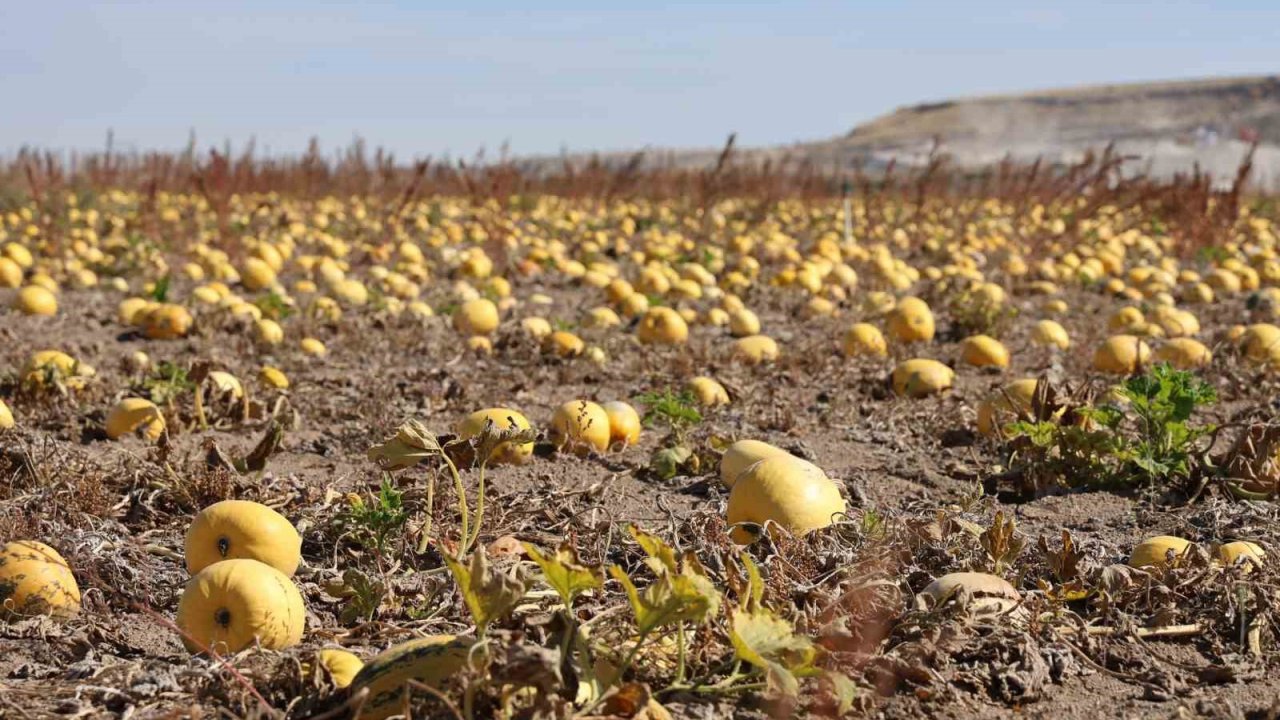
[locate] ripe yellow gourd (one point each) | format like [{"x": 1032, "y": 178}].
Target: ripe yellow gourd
[
  {"x": 708, "y": 392},
  {"x": 1176, "y": 323},
  {"x": 783, "y": 490},
  {"x": 1224, "y": 281},
  {"x": 273, "y": 377},
  {"x": 480, "y": 344},
  {"x": 10, "y": 273},
  {"x": 602, "y": 317},
  {"x": 1005, "y": 405},
  {"x": 1121, "y": 355},
  {"x": 135, "y": 415},
  {"x": 503, "y": 419},
  {"x": 536, "y": 327},
  {"x": 624, "y": 423},
  {"x": 476, "y": 317},
  {"x": 580, "y": 426},
  {"x": 864, "y": 339},
  {"x": 1231, "y": 552},
  {"x": 1261, "y": 343},
  {"x": 350, "y": 291},
  {"x": 234, "y": 529},
  {"x": 420, "y": 310},
  {"x": 35, "y": 300},
  {"x": 35, "y": 580},
  {"x": 342, "y": 666},
  {"x": 618, "y": 291},
  {"x": 662, "y": 326},
  {"x": 1055, "y": 307},
  {"x": 129, "y": 310},
  {"x": 755, "y": 349},
  {"x": 1048, "y": 333},
  {"x": 742, "y": 455},
  {"x": 224, "y": 384},
  {"x": 428, "y": 660},
  {"x": 233, "y": 604},
  {"x": 984, "y": 351},
  {"x": 743, "y": 322},
  {"x": 920, "y": 377},
  {"x": 53, "y": 366},
  {"x": 313, "y": 347},
  {"x": 1153, "y": 552},
  {"x": 257, "y": 275},
  {"x": 635, "y": 305},
  {"x": 911, "y": 321},
  {"x": 164, "y": 321},
  {"x": 268, "y": 332},
  {"x": 564, "y": 344},
  {"x": 1184, "y": 353},
  {"x": 6, "y": 416},
  {"x": 1126, "y": 320}
]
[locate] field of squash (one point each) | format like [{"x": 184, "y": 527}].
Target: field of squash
[{"x": 284, "y": 443}]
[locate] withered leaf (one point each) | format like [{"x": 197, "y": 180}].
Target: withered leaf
[{"x": 489, "y": 594}]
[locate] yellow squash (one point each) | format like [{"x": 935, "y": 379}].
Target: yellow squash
[
  {"x": 984, "y": 351},
  {"x": 35, "y": 580},
  {"x": 755, "y": 349},
  {"x": 662, "y": 326},
  {"x": 341, "y": 665},
  {"x": 242, "y": 529},
  {"x": 135, "y": 415},
  {"x": 742, "y": 455},
  {"x": 708, "y": 391},
  {"x": 921, "y": 377},
  {"x": 624, "y": 423},
  {"x": 503, "y": 419},
  {"x": 1154, "y": 552},
  {"x": 784, "y": 491},
  {"x": 864, "y": 339},
  {"x": 1121, "y": 355},
  {"x": 1005, "y": 405},
  {"x": 233, "y": 604},
  {"x": 476, "y": 317},
  {"x": 35, "y": 300},
  {"x": 428, "y": 660},
  {"x": 911, "y": 321},
  {"x": 580, "y": 426}
]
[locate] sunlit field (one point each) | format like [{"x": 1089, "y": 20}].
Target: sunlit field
[{"x": 337, "y": 437}]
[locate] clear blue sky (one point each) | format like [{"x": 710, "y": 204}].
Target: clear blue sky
[{"x": 436, "y": 77}]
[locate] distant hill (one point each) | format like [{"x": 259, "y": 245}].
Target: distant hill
[
  {"x": 1233, "y": 108},
  {"x": 1170, "y": 126}
]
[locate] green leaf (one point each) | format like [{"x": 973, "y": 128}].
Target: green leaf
[
  {"x": 565, "y": 573},
  {"x": 681, "y": 593},
  {"x": 669, "y": 600},
  {"x": 662, "y": 557},
  {"x": 160, "y": 292},
  {"x": 667, "y": 462},
  {"x": 489, "y": 594},
  {"x": 761, "y": 638}
]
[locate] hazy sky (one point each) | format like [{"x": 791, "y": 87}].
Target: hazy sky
[{"x": 432, "y": 77}]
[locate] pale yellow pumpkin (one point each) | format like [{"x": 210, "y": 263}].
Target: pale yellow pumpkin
[
  {"x": 580, "y": 426},
  {"x": 242, "y": 529},
  {"x": 35, "y": 580},
  {"x": 785, "y": 492},
  {"x": 503, "y": 419},
  {"x": 233, "y": 604}
]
